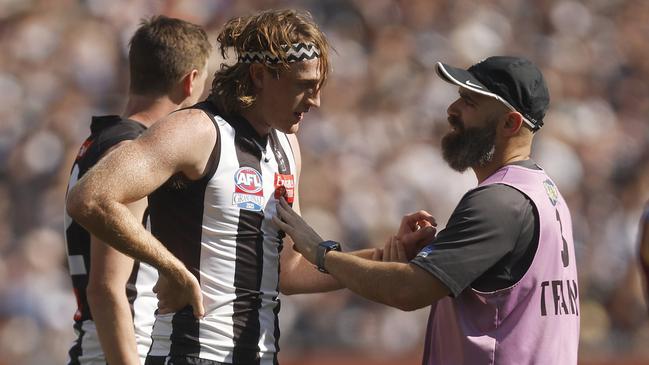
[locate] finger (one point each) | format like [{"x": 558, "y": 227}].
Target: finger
[
  {"x": 427, "y": 221},
  {"x": 282, "y": 225},
  {"x": 197, "y": 303},
  {"x": 387, "y": 249},
  {"x": 401, "y": 251},
  {"x": 409, "y": 221},
  {"x": 394, "y": 250},
  {"x": 425, "y": 234},
  {"x": 377, "y": 255}
]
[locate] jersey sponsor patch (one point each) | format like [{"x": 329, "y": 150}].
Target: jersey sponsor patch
[
  {"x": 285, "y": 186},
  {"x": 248, "y": 190},
  {"x": 551, "y": 190}
]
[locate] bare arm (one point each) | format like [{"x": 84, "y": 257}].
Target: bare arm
[
  {"x": 111, "y": 312},
  {"x": 297, "y": 275},
  {"x": 400, "y": 285},
  {"x": 106, "y": 291},
  {"x": 180, "y": 143}
]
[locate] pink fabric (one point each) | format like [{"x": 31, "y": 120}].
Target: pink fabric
[{"x": 536, "y": 321}]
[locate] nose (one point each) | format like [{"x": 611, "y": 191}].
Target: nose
[
  {"x": 453, "y": 109},
  {"x": 313, "y": 99}
]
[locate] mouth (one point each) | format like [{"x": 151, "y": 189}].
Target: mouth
[{"x": 299, "y": 116}]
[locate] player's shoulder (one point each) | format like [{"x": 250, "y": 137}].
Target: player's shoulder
[{"x": 110, "y": 130}]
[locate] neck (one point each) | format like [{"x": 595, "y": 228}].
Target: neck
[
  {"x": 255, "y": 117},
  {"x": 502, "y": 157},
  {"x": 148, "y": 110}
]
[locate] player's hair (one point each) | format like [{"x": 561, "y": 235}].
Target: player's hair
[
  {"x": 267, "y": 31},
  {"x": 162, "y": 51}
]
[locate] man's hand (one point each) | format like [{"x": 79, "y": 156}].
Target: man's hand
[
  {"x": 416, "y": 231},
  {"x": 393, "y": 251},
  {"x": 175, "y": 294},
  {"x": 305, "y": 239}
]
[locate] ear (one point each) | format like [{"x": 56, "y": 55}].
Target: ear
[
  {"x": 188, "y": 83},
  {"x": 513, "y": 123},
  {"x": 257, "y": 73}
]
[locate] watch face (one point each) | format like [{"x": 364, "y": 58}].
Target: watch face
[{"x": 323, "y": 248}]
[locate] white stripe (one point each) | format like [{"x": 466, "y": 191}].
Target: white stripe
[
  {"x": 218, "y": 253},
  {"x": 91, "y": 352},
  {"x": 144, "y": 308},
  {"x": 77, "y": 265}
]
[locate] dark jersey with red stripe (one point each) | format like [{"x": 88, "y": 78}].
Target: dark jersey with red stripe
[{"x": 105, "y": 133}]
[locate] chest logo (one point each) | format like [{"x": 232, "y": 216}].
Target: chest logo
[{"x": 248, "y": 189}]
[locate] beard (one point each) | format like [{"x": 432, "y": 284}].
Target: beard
[{"x": 469, "y": 147}]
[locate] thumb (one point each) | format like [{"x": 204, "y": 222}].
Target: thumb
[
  {"x": 425, "y": 234},
  {"x": 197, "y": 305}
]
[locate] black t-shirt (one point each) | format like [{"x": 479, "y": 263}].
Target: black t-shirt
[{"x": 489, "y": 242}]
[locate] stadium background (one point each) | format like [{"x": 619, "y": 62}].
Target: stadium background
[{"x": 370, "y": 154}]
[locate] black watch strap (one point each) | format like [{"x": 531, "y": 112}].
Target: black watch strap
[{"x": 323, "y": 248}]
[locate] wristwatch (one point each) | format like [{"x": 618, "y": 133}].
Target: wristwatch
[{"x": 323, "y": 248}]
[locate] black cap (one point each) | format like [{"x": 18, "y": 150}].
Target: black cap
[{"x": 515, "y": 81}]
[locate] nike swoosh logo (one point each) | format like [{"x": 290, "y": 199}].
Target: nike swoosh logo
[{"x": 468, "y": 82}]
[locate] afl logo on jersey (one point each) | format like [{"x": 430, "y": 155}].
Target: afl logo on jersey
[
  {"x": 248, "y": 189},
  {"x": 248, "y": 180}
]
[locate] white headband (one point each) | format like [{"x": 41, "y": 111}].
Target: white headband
[{"x": 296, "y": 52}]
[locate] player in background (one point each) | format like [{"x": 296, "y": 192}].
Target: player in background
[{"x": 168, "y": 70}]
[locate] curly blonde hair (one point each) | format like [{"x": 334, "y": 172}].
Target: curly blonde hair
[{"x": 267, "y": 31}]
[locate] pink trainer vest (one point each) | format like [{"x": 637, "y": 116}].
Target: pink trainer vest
[{"x": 535, "y": 321}]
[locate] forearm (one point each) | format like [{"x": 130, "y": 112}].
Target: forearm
[
  {"x": 301, "y": 276},
  {"x": 400, "y": 285},
  {"x": 111, "y": 313},
  {"x": 113, "y": 223}
]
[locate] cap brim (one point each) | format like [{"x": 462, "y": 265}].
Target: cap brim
[
  {"x": 461, "y": 77},
  {"x": 465, "y": 79}
]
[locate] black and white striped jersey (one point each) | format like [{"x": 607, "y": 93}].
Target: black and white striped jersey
[
  {"x": 105, "y": 132},
  {"x": 220, "y": 227}
]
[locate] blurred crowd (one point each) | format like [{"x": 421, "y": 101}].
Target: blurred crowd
[{"x": 370, "y": 153}]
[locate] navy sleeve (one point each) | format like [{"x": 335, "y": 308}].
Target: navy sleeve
[{"x": 117, "y": 134}]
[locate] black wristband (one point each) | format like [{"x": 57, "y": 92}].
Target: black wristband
[{"x": 323, "y": 248}]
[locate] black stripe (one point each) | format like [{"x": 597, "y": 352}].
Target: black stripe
[
  {"x": 76, "y": 351},
  {"x": 248, "y": 265},
  {"x": 155, "y": 360},
  {"x": 284, "y": 167},
  {"x": 176, "y": 210},
  {"x": 131, "y": 288}
]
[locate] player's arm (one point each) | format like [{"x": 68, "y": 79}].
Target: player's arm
[
  {"x": 180, "y": 143},
  {"x": 379, "y": 281},
  {"x": 297, "y": 274},
  {"x": 111, "y": 311},
  {"x": 300, "y": 276}
]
